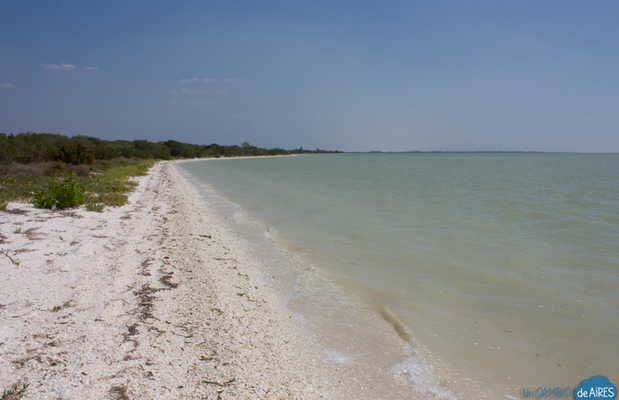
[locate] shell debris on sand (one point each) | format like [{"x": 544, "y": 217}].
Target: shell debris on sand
[{"x": 120, "y": 305}]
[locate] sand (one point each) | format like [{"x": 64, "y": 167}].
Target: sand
[
  {"x": 160, "y": 299},
  {"x": 151, "y": 300}
]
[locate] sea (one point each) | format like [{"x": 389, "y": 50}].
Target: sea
[{"x": 499, "y": 272}]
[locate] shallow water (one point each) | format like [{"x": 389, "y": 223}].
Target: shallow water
[{"x": 504, "y": 267}]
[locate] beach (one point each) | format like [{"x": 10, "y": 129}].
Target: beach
[
  {"x": 152, "y": 300},
  {"x": 288, "y": 201},
  {"x": 203, "y": 287},
  {"x": 470, "y": 275},
  {"x": 142, "y": 301}
]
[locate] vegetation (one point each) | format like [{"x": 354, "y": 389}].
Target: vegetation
[
  {"x": 109, "y": 185},
  {"x": 59, "y": 185},
  {"x": 60, "y": 194},
  {"x": 41, "y": 147},
  {"x": 56, "y": 171}
]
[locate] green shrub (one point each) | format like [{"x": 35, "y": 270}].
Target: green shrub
[
  {"x": 94, "y": 206},
  {"x": 65, "y": 193},
  {"x": 109, "y": 185},
  {"x": 76, "y": 151}
]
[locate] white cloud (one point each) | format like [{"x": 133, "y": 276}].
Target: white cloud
[
  {"x": 6, "y": 85},
  {"x": 189, "y": 92},
  {"x": 199, "y": 79},
  {"x": 59, "y": 67},
  {"x": 91, "y": 68}
]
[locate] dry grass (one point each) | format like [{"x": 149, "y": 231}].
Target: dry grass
[{"x": 113, "y": 199}]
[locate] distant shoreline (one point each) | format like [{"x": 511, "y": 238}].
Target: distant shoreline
[
  {"x": 184, "y": 160},
  {"x": 474, "y": 152}
]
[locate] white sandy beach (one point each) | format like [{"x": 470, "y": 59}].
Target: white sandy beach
[
  {"x": 121, "y": 305},
  {"x": 152, "y": 300}
]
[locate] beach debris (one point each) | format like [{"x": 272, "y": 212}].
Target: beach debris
[
  {"x": 166, "y": 279},
  {"x": 23, "y": 250},
  {"x": 32, "y": 234},
  {"x": 15, "y": 392},
  {"x": 16, "y": 211},
  {"x": 145, "y": 301},
  {"x": 66, "y": 304},
  {"x": 224, "y": 259},
  {"x": 20, "y": 363},
  {"x": 6, "y": 253},
  {"x": 132, "y": 330},
  {"x": 217, "y": 383},
  {"x": 145, "y": 265},
  {"x": 119, "y": 392}
]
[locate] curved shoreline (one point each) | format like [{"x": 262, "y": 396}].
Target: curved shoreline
[
  {"x": 156, "y": 299},
  {"x": 363, "y": 341},
  {"x": 140, "y": 301}
]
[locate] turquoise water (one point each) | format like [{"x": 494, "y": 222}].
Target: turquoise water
[{"x": 505, "y": 267}]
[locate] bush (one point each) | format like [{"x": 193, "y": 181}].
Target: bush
[
  {"x": 94, "y": 206},
  {"x": 76, "y": 152},
  {"x": 66, "y": 193}
]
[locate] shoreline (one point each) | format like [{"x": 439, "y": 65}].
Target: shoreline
[
  {"x": 141, "y": 301},
  {"x": 365, "y": 341},
  {"x": 157, "y": 299},
  {"x": 186, "y": 160}
]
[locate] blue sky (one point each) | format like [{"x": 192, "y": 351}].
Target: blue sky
[{"x": 352, "y": 75}]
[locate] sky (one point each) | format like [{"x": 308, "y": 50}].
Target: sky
[{"x": 349, "y": 75}]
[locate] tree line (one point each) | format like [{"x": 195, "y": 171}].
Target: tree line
[{"x": 38, "y": 147}]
